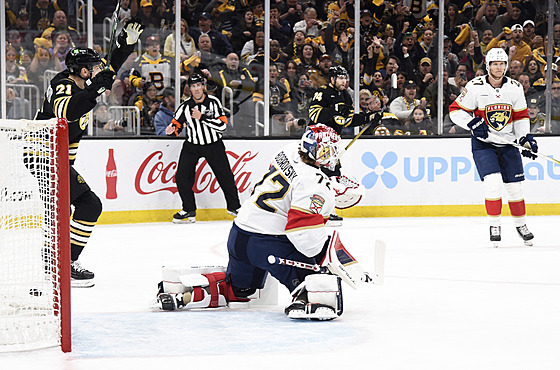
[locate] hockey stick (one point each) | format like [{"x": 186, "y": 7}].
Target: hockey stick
[
  {"x": 544, "y": 156},
  {"x": 112, "y": 40},
  {"x": 377, "y": 278},
  {"x": 368, "y": 125}
]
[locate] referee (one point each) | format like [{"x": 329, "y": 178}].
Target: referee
[{"x": 204, "y": 120}]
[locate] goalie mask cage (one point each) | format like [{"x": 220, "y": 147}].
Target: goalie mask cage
[{"x": 34, "y": 235}]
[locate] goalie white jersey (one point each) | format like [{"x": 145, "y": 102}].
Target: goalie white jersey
[
  {"x": 292, "y": 199},
  {"x": 504, "y": 109}
]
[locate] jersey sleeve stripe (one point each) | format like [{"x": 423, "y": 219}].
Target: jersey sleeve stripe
[{"x": 303, "y": 219}]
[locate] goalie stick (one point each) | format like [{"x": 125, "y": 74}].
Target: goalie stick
[{"x": 376, "y": 278}]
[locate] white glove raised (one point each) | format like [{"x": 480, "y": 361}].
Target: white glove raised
[
  {"x": 348, "y": 191},
  {"x": 133, "y": 31}
]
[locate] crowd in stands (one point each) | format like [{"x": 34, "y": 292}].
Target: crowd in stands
[{"x": 224, "y": 40}]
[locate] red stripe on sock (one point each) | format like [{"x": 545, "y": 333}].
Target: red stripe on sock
[
  {"x": 517, "y": 209},
  {"x": 493, "y": 207}
]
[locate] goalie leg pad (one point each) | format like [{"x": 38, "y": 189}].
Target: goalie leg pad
[
  {"x": 341, "y": 263},
  {"x": 319, "y": 297}
]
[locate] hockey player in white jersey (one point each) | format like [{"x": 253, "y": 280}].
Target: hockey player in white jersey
[
  {"x": 284, "y": 218},
  {"x": 494, "y": 109}
]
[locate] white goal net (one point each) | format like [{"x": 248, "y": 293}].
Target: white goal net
[{"x": 33, "y": 222}]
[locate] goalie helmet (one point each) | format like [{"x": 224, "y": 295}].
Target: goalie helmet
[
  {"x": 79, "y": 58},
  {"x": 322, "y": 145},
  {"x": 496, "y": 55}
]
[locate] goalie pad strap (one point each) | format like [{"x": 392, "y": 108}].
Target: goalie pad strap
[{"x": 214, "y": 280}]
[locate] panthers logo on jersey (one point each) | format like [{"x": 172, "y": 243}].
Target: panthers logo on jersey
[{"x": 498, "y": 116}]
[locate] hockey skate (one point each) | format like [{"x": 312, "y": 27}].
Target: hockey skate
[
  {"x": 525, "y": 234},
  {"x": 495, "y": 235},
  {"x": 334, "y": 220},
  {"x": 233, "y": 212},
  {"x": 80, "y": 277},
  {"x": 183, "y": 217}
]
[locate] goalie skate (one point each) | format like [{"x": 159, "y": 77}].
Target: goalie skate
[{"x": 526, "y": 235}]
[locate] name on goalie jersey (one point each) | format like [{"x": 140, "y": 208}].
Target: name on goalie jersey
[{"x": 285, "y": 166}]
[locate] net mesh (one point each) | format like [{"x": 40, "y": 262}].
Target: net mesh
[{"x": 29, "y": 274}]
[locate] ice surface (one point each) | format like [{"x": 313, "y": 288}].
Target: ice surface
[{"x": 450, "y": 301}]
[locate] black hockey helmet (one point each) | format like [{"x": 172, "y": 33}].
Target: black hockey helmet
[
  {"x": 336, "y": 71},
  {"x": 79, "y": 58},
  {"x": 196, "y": 78}
]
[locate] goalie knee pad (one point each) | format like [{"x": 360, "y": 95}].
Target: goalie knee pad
[{"x": 319, "y": 297}]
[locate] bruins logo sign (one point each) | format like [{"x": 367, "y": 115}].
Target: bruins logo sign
[{"x": 498, "y": 116}]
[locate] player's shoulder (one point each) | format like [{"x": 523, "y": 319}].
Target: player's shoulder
[
  {"x": 477, "y": 81},
  {"x": 512, "y": 82}
]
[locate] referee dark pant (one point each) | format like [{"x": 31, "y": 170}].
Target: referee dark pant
[{"x": 215, "y": 155}]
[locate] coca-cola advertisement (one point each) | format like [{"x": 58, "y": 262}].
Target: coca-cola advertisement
[{"x": 140, "y": 175}]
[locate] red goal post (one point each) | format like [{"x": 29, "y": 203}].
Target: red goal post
[{"x": 34, "y": 235}]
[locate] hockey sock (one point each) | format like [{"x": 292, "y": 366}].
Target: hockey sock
[
  {"x": 516, "y": 203},
  {"x": 493, "y": 197},
  {"x": 80, "y": 231}
]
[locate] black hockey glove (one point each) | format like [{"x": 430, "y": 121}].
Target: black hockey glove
[
  {"x": 101, "y": 82},
  {"x": 319, "y": 258},
  {"x": 529, "y": 142},
  {"x": 478, "y": 127},
  {"x": 343, "y": 109}
]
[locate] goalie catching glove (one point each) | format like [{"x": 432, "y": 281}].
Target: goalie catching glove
[{"x": 348, "y": 191}]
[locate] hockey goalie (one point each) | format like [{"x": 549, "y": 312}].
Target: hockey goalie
[{"x": 280, "y": 230}]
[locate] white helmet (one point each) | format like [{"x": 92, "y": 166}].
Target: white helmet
[{"x": 496, "y": 55}]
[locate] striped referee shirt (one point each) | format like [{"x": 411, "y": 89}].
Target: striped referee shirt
[{"x": 206, "y": 130}]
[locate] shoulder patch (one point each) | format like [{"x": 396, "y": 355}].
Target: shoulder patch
[{"x": 317, "y": 203}]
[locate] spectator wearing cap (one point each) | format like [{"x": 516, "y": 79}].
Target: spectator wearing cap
[
  {"x": 164, "y": 115},
  {"x": 425, "y": 77},
  {"x": 522, "y": 49},
  {"x": 367, "y": 28},
  {"x": 320, "y": 75},
  {"x": 21, "y": 25},
  {"x": 528, "y": 32},
  {"x": 408, "y": 51},
  {"x": 536, "y": 117},
  {"x": 148, "y": 17},
  {"x": 403, "y": 105},
  {"x": 540, "y": 84},
  {"x": 220, "y": 43},
  {"x": 487, "y": 17},
  {"x": 310, "y": 24},
  {"x": 152, "y": 67}
]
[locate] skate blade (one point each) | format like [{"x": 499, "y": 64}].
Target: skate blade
[
  {"x": 185, "y": 221},
  {"x": 333, "y": 223},
  {"x": 88, "y": 283},
  {"x": 495, "y": 244},
  {"x": 528, "y": 243}
]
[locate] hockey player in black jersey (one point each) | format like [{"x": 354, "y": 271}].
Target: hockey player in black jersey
[
  {"x": 72, "y": 94},
  {"x": 332, "y": 105}
]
